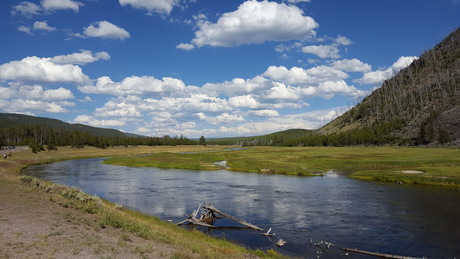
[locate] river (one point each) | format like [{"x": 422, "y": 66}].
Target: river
[{"x": 388, "y": 218}]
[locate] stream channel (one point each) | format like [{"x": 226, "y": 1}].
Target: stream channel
[{"x": 389, "y": 218}]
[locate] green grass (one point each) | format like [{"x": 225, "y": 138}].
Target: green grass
[
  {"x": 440, "y": 166},
  {"x": 193, "y": 161}
]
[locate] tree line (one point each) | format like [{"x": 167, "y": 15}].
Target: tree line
[
  {"x": 38, "y": 137},
  {"x": 367, "y": 136}
]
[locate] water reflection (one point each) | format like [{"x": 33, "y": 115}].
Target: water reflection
[{"x": 393, "y": 219}]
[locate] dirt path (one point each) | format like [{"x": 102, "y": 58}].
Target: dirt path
[{"x": 14, "y": 150}]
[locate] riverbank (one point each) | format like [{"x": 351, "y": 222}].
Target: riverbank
[
  {"x": 408, "y": 165},
  {"x": 60, "y": 222}
]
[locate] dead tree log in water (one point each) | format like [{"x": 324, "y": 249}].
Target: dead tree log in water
[
  {"x": 247, "y": 224},
  {"x": 208, "y": 215},
  {"x": 268, "y": 234},
  {"x": 379, "y": 254},
  {"x": 203, "y": 221}
]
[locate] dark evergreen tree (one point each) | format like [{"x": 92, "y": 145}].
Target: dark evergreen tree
[{"x": 202, "y": 141}]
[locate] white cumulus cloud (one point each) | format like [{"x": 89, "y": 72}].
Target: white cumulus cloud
[
  {"x": 330, "y": 88},
  {"x": 228, "y": 118},
  {"x": 41, "y": 70},
  {"x": 26, "y": 8},
  {"x": 253, "y": 23},
  {"x": 43, "y": 25},
  {"x": 33, "y": 99},
  {"x": 224, "y": 118},
  {"x": 118, "y": 109},
  {"x": 284, "y": 92},
  {"x": 342, "y": 40},
  {"x": 352, "y": 65},
  {"x": 34, "y": 106},
  {"x": 82, "y": 58},
  {"x": 185, "y": 46},
  {"x": 25, "y": 29},
  {"x": 34, "y": 92},
  {"x": 105, "y": 29},
  {"x": 135, "y": 85},
  {"x": 91, "y": 120},
  {"x": 327, "y": 51},
  {"x": 45, "y": 7},
  {"x": 265, "y": 113},
  {"x": 377, "y": 77},
  {"x": 58, "y": 94},
  {"x": 322, "y": 51},
  {"x": 157, "y": 6},
  {"x": 37, "y": 26},
  {"x": 61, "y": 5},
  {"x": 306, "y": 77},
  {"x": 244, "y": 101}
]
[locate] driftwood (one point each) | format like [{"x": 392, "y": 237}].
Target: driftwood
[
  {"x": 207, "y": 216},
  {"x": 203, "y": 221},
  {"x": 268, "y": 233},
  {"x": 200, "y": 223},
  {"x": 379, "y": 254},
  {"x": 242, "y": 222},
  {"x": 322, "y": 244}
]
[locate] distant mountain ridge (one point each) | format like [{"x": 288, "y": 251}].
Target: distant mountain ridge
[
  {"x": 422, "y": 101},
  {"x": 13, "y": 118}
]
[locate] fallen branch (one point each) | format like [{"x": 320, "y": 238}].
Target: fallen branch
[
  {"x": 212, "y": 208},
  {"x": 321, "y": 244},
  {"x": 208, "y": 216},
  {"x": 268, "y": 233},
  {"x": 379, "y": 254},
  {"x": 200, "y": 223}
]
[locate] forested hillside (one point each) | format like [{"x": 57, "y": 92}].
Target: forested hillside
[
  {"x": 7, "y": 119},
  {"x": 419, "y": 106},
  {"x": 37, "y": 132}
]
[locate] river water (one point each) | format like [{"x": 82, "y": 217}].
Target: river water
[{"x": 388, "y": 218}]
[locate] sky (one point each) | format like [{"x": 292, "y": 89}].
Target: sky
[{"x": 212, "y": 68}]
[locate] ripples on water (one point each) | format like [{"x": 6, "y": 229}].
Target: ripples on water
[{"x": 395, "y": 219}]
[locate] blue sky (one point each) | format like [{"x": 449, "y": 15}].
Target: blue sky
[{"x": 206, "y": 67}]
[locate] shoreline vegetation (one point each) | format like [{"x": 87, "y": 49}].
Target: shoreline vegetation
[
  {"x": 129, "y": 233},
  {"x": 404, "y": 165}
]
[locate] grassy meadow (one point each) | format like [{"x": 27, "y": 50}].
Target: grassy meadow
[{"x": 428, "y": 166}]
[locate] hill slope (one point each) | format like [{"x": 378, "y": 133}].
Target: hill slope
[
  {"x": 420, "y": 105},
  {"x": 12, "y": 118}
]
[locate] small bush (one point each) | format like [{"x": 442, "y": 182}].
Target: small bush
[{"x": 50, "y": 147}]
